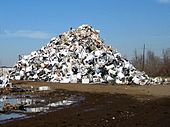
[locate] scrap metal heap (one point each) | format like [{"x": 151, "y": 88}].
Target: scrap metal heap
[
  {"x": 4, "y": 82},
  {"x": 79, "y": 55}
]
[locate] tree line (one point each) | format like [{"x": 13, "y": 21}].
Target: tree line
[{"x": 152, "y": 64}]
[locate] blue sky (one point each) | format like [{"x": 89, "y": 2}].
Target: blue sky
[{"x": 27, "y": 25}]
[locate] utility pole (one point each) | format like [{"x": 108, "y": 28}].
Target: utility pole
[{"x": 143, "y": 61}]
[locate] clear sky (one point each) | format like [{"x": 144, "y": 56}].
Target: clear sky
[{"x": 27, "y": 25}]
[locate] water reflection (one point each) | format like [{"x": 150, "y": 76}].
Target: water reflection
[
  {"x": 31, "y": 106},
  {"x": 11, "y": 116}
]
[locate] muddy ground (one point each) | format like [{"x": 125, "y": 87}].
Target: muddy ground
[{"x": 105, "y": 106}]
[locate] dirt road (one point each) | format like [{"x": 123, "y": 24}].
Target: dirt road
[{"x": 106, "y": 106}]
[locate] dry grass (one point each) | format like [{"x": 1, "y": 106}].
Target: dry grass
[{"x": 155, "y": 91}]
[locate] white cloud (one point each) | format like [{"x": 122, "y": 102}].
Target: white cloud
[
  {"x": 164, "y": 1},
  {"x": 27, "y": 34}
]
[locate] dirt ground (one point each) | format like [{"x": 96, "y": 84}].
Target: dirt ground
[{"x": 105, "y": 106}]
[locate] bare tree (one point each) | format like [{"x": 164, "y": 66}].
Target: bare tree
[
  {"x": 153, "y": 63},
  {"x": 137, "y": 60},
  {"x": 165, "y": 68},
  {"x": 166, "y": 56}
]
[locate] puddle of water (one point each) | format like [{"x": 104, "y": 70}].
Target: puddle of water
[
  {"x": 37, "y": 109},
  {"x": 19, "y": 100},
  {"x": 29, "y": 101},
  {"x": 7, "y": 98},
  {"x": 58, "y": 105},
  {"x": 11, "y": 116},
  {"x": 32, "y": 106},
  {"x": 61, "y": 103},
  {"x": 90, "y": 109}
]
